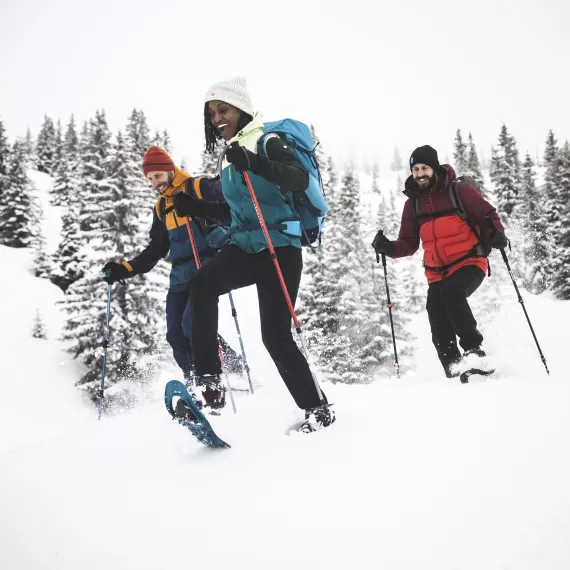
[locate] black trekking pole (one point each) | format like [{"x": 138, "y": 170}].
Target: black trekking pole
[
  {"x": 105, "y": 345},
  {"x": 389, "y": 305},
  {"x": 521, "y": 301}
]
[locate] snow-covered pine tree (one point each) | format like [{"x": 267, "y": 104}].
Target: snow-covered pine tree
[
  {"x": 460, "y": 154},
  {"x": 313, "y": 287},
  {"x": 66, "y": 184},
  {"x": 43, "y": 265},
  {"x": 68, "y": 261},
  {"x": 561, "y": 262},
  {"x": 94, "y": 164},
  {"x": 375, "y": 187},
  {"x": 46, "y": 147},
  {"x": 30, "y": 148},
  {"x": 550, "y": 195},
  {"x": 17, "y": 208},
  {"x": 58, "y": 147},
  {"x": 39, "y": 329},
  {"x": 535, "y": 247},
  {"x": 85, "y": 299},
  {"x": 320, "y": 290},
  {"x": 139, "y": 140},
  {"x": 138, "y": 133},
  {"x": 166, "y": 141},
  {"x": 341, "y": 350},
  {"x": 506, "y": 174},
  {"x": 473, "y": 167},
  {"x": 4, "y": 160},
  {"x": 396, "y": 165},
  {"x": 209, "y": 164}
]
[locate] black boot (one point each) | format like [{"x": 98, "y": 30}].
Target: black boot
[
  {"x": 317, "y": 418},
  {"x": 183, "y": 411},
  {"x": 212, "y": 390}
]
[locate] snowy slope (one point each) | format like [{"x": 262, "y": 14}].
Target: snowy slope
[
  {"x": 420, "y": 472},
  {"x": 37, "y": 394}
]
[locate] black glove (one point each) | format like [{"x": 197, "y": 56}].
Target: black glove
[
  {"x": 499, "y": 240},
  {"x": 114, "y": 272},
  {"x": 382, "y": 244},
  {"x": 241, "y": 158},
  {"x": 186, "y": 205}
]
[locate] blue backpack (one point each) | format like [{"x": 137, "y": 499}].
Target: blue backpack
[{"x": 309, "y": 206}]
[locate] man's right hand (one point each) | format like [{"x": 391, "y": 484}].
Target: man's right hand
[
  {"x": 114, "y": 272},
  {"x": 186, "y": 205},
  {"x": 382, "y": 244}
]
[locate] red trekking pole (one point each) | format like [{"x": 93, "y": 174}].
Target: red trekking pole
[
  {"x": 281, "y": 280},
  {"x": 197, "y": 260}
]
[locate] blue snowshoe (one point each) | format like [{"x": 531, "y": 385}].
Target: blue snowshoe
[{"x": 189, "y": 415}]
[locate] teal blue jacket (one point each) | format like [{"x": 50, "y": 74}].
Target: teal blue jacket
[{"x": 279, "y": 169}]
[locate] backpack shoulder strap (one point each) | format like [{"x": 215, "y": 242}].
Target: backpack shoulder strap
[
  {"x": 455, "y": 200},
  {"x": 416, "y": 207},
  {"x": 264, "y": 139},
  {"x": 162, "y": 209}
]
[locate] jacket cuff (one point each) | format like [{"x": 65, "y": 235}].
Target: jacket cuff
[{"x": 128, "y": 266}]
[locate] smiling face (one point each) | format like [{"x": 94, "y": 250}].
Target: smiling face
[
  {"x": 160, "y": 179},
  {"x": 424, "y": 175},
  {"x": 225, "y": 118}
]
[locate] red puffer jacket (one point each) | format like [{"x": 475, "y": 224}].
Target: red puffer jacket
[{"x": 445, "y": 239}]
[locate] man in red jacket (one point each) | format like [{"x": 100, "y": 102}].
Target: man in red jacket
[{"x": 457, "y": 228}]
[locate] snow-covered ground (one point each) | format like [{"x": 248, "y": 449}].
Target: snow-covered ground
[{"x": 420, "y": 472}]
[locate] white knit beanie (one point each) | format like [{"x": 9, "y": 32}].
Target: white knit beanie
[{"x": 233, "y": 91}]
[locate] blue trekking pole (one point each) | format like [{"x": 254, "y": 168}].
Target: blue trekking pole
[
  {"x": 105, "y": 345},
  {"x": 245, "y": 365}
]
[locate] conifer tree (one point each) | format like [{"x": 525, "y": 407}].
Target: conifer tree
[
  {"x": 375, "y": 187},
  {"x": 69, "y": 261},
  {"x": 209, "y": 164},
  {"x": 473, "y": 167},
  {"x": 4, "y": 160},
  {"x": 396, "y": 164},
  {"x": 460, "y": 154},
  {"x": 506, "y": 175},
  {"x": 66, "y": 184},
  {"x": 94, "y": 175},
  {"x": 30, "y": 149},
  {"x": 17, "y": 209},
  {"x": 535, "y": 245},
  {"x": 167, "y": 142},
  {"x": 46, "y": 147},
  {"x": 39, "y": 329},
  {"x": 561, "y": 230}
]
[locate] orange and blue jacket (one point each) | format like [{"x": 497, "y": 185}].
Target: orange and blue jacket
[
  {"x": 448, "y": 241},
  {"x": 169, "y": 233}
]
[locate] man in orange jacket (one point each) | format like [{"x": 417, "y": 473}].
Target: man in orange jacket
[{"x": 457, "y": 228}]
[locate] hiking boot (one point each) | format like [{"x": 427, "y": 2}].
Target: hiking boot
[
  {"x": 317, "y": 418},
  {"x": 183, "y": 411},
  {"x": 474, "y": 358},
  {"x": 212, "y": 391}
]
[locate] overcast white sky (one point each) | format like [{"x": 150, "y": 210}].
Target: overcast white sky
[{"x": 370, "y": 75}]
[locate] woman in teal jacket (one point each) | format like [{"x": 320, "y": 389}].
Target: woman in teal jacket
[{"x": 245, "y": 259}]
